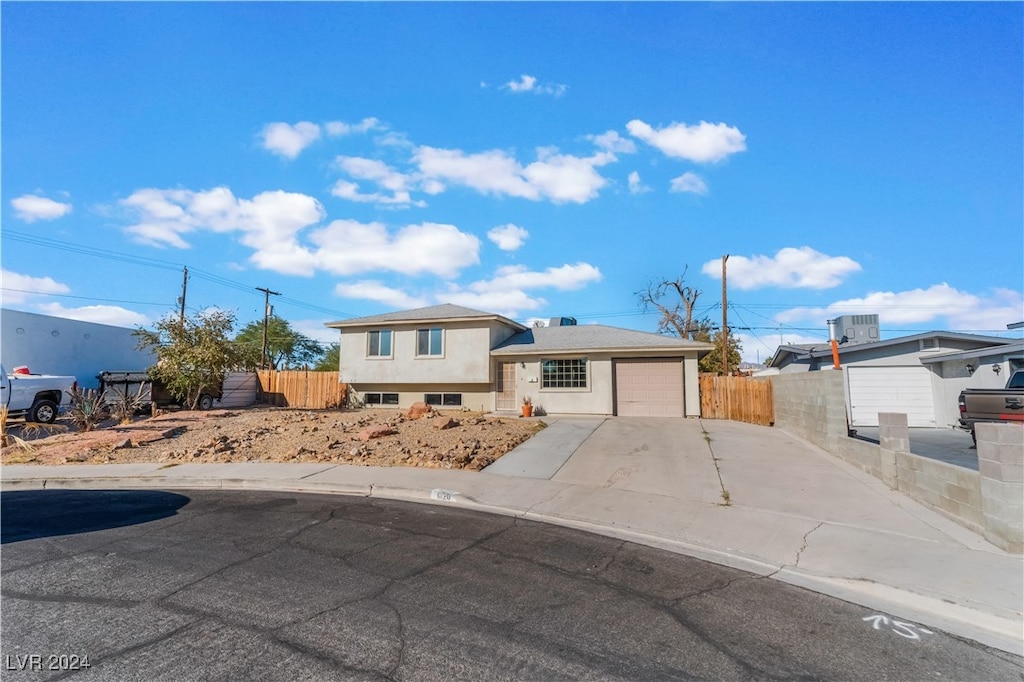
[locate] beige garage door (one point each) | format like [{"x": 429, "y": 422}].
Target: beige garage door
[{"x": 649, "y": 388}]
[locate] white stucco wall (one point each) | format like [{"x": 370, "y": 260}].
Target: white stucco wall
[
  {"x": 465, "y": 358},
  {"x": 55, "y": 345}
]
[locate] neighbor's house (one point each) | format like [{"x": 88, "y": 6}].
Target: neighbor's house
[
  {"x": 448, "y": 355},
  {"x": 920, "y": 375}
]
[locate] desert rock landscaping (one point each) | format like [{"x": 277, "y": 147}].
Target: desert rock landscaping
[{"x": 368, "y": 437}]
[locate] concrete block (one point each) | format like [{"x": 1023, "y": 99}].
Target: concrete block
[
  {"x": 991, "y": 489},
  {"x": 990, "y": 469},
  {"x": 968, "y": 479},
  {"x": 1012, "y": 473},
  {"x": 957, "y": 493},
  {"x": 948, "y": 505}
]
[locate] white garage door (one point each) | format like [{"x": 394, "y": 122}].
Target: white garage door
[
  {"x": 891, "y": 389},
  {"x": 649, "y": 388}
]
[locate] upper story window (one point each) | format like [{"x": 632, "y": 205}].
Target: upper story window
[
  {"x": 429, "y": 341},
  {"x": 569, "y": 373},
  {"x": 379, "y": 344}
]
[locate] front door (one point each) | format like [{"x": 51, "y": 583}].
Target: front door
[{"x": 505, "y": 387}]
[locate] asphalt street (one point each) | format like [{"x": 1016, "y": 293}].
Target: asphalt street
[{"x": 151, "y": 585}]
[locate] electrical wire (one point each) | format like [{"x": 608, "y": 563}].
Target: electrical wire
[{"x": 71, "y": 247}]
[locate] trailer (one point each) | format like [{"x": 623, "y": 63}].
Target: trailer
[{"x": 117, "y": 384}]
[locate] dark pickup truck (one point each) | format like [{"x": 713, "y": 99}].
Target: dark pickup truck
[{"x": 993, "y": 404}]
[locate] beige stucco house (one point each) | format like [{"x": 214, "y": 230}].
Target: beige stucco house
[{"x": 448, "y": 355}]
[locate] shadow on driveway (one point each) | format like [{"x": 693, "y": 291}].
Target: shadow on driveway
[{"x": 29, "y": 514}]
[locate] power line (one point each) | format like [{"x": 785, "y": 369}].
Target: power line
[
  {"x": 84, "y": 298},
  {"x": 71, "y": 247}
]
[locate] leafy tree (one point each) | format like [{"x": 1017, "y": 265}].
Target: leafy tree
[
  {"x": 331, "y": 359},
  {"x": 192, "y": 352},
  {"x": 285, "y": 346},
  {"x": 712, "y": 362}
]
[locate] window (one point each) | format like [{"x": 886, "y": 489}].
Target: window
[
  {"x": 380, "y": 399},
  {"x": 929, "y": 344},
  {"x": 564, "y": 373},
  {"x": 451, "y": 399},
  {"x": 380, "y": 344},
  {"x": 428, "y": 341}
]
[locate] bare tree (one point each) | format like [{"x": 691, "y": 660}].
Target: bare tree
[{"x": 676, "y": 315}]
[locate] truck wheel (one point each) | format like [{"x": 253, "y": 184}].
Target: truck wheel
[
  {"x": 205, "y": 402},
  {"x": 43, "y": 411}
]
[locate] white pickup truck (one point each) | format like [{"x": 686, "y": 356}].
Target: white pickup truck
[{"x": 37, "y": 397}]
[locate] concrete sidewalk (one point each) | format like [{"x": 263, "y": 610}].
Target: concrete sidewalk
[{"x": 745, "y": 496}]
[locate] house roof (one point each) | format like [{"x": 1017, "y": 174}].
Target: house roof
[
  {"x": 820, "y": 350},
  {"x": 592, "y": 337},
  {"x": 1013, "y": 347},
  {"x": 446, "y": 312}
]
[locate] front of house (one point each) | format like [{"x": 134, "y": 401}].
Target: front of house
[{"x": 451, "y": 356}]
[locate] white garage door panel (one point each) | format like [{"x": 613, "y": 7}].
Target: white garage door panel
[
  {"x": 891, "y": 389},
  {"x": 649, "y": 388}
]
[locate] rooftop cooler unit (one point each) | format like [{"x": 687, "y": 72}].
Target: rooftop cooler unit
[{"x": 857, "y": 329}]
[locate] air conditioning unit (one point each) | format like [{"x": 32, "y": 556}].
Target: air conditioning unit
[
  {"x": 857, "y": 329},
  {"x": 562, "y": 322}
]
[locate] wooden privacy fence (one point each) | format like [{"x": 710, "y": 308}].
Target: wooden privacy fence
[
  {"x": 738, "y": 398},
  {"x": 302, "y": 388}
]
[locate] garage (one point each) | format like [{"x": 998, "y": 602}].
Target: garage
[
  {"x": 648, "y": 388},
  {"x": 891, "y": 389}
]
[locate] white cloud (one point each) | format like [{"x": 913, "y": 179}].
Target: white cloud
[
  {"x": 340, "y": 128},
  {"x": 554, "y": 176},
  {"x": 289, "y": 140},
  {"x": 790, "y": 268},
  {"x": 348, "y": 247},
  {"x": 961, "y": 310},
  {"x": 635, "y": 185},
  {"x": 613, "y": 142},
  {"x": 18, "y": 288},
  {"x": 524, "y": 84},
  {"x": 690, "y": 183},
  {"x": 527, "y": 83},
  {"x": 508, "y": 237},
  {"x": 315, "y": 329},
  {"x": 506, "y": 293},
  {"x": 269, "y": 223},
  {"x": 31, "y": 207},
  {"x": 564, "y": 278},
  {"x": 372, "y": 290},
  {"x": 100, "y": 314},
  {"x": 701, "y": 143},
  {"x": 507, "y": 303},
  {"x": 378, "y": 172}
]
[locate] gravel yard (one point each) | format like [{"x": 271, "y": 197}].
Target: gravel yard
[{"x": 445, "y": 439}]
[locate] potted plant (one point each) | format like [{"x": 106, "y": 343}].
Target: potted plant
[{"x": 527, "y": 406}]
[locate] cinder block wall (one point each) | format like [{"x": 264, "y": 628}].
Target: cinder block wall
[
  {"x": 1001, "y": 466},
  {"x": 812, "y": 405}
]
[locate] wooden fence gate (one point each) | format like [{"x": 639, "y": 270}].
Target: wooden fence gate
[
  {"x": 302, "y": 388},
  {"x": 738, "y": 398}
]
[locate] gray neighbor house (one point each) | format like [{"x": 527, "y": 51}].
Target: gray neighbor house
[
  {"x": 920, "y": 375},
  {"x": 449, "y": 355}
]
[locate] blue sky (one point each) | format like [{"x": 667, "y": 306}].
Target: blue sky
[{"x": 534, "y": 160}]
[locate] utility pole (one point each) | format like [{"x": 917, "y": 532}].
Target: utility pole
[
  {"x": 725, "y": 322},
  {"x": 266, "y": 322},
  {"x": 184, "y": 288}
]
